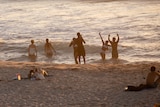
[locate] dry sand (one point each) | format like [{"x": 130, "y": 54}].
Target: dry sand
[{"x": 89, "y": 85}]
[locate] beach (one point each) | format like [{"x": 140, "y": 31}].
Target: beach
[
  {"x": 94, "y": 84},
  {"x": 70, "y": 85}
]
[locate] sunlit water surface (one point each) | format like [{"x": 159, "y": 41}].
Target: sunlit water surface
[{"x": 137, "y": 23}]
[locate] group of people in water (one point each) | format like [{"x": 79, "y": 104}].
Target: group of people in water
[
  {"x": 48, "y": 49},
  {"x": 114, "y": 44},
  {"x": 153, "y": 77},
  {"x": 78, "y": 48}
]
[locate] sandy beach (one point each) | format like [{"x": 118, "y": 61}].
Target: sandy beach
[{"x": 70, "y": 85}]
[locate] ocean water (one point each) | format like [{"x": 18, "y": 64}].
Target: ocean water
[{"x": 136, "y": 21}]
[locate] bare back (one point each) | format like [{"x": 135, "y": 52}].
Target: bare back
[
  {"x": 48, "y": 48},
  {"x": 151, "y": 78},
  {"x": 32, "y": 49}
]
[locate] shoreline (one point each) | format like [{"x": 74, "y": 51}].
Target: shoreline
[{"x": 108, "y": 62}]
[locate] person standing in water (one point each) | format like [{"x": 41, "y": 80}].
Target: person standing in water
[
  {"x": 81, "y": 50},
  {"x": 104, "y": 48},
  {"x": 32, "y": 51},
  {"x": 75, "y": 48},
  {"x": 48, "y": 48},
  {"x": 114, "y": 45}
]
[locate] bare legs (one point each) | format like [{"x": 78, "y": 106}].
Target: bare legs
[
  {"x": 84, "y": 60},
  {"x": 103, "y": 56}
]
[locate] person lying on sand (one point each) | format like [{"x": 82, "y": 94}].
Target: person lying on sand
[
  {"x": 37, "y": 74},
  {"x": 152, "y": 81}
]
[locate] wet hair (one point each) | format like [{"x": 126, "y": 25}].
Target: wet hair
[
  {"x": 32, "y": 41},
  {"x": 78, "y": 33},
  {"x": 153, "y": 68},
  {"x": 47, "y": 40}
]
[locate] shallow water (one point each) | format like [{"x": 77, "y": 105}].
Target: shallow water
[{"x": 137, "y": 23}]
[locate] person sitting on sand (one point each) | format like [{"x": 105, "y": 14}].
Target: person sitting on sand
[
  {"x": 75, "y": 48},
  {"x": 114, "y": 45},
  {"x": 48, "y": 48},
  {"x": 32, "y": 51},
  {"x": 152, "y": 81},
  {"x": 81, "y": 50},
  {"x": 104, "y": 48}
]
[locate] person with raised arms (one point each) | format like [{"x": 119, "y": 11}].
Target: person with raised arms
[
  {"x": 104, "y": 48},
  {"x": 114, "y": 45}
]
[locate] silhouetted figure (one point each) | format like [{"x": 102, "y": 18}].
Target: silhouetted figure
[
  {"x": 114, "y": 45},
  {"x": 32, "y": 51},
  {"x": 152, "y": 81},
  {"x": 75, "y": 48},
  {"x": 104, "y": 48},
  {"x": 81, "y": 50},
  {"x": 48, "y": 48}
]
